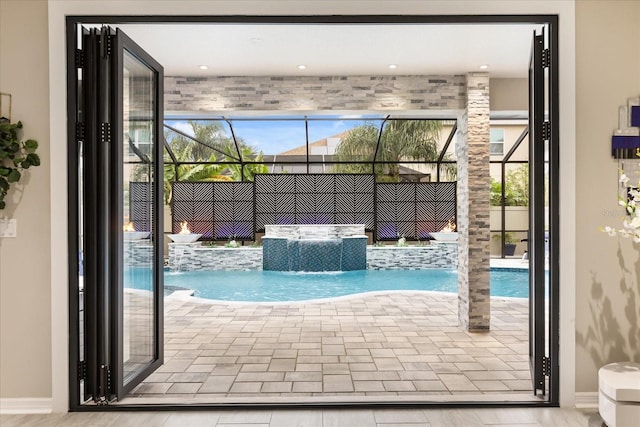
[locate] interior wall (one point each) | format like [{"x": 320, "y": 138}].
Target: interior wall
[
  {"x": 608, "y": 273},
  {"x": 25, "y": 269}
]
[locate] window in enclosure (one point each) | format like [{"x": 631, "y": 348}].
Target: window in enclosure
[{"x": 496, "y": 141}]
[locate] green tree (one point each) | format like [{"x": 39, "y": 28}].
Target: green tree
[
  {"x": 212, "y": 146},
  {"x": 247, "y": 153},
  {"x": 516, "y": 189},
  {"x": 211, "y": 134},
  {"x": 401, "y": 140}
]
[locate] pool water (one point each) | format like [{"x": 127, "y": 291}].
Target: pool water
[{"x": 270, "y": 286}]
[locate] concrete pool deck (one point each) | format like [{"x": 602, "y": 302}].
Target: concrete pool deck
[{"x": 400, "y": 346}]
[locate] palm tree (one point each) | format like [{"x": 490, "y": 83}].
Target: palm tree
[
  {"x": 247, "y": 153},
  {"x": 210, "y": 134},
  {"x": 197, "y": 172},
  {"x": 212, "y": 146},
  {"x": 401, "y": 140}
]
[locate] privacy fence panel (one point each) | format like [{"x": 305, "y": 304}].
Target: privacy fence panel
[
  {"x": 237, "y": 210},
  {"x": 413, "y": 210},
  {"x": 217, "y": 210},
  {"x": 315, "y": 199},
  {"x": 140, "y": 205}
]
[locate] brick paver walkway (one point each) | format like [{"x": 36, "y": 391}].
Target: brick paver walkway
[{"x": 401, "y": 345}]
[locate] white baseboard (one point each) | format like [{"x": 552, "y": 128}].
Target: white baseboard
[
  {"x": 26, "y": 406},
  {"x": 587, "y": 400}
]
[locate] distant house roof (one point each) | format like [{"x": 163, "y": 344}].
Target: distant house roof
[{"x": 302, "y": 150}]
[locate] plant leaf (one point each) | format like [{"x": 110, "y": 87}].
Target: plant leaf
[
  {"x": 4, "y": 185},
  {"x": 14, "y": 176},
  {"x": 31, "y": 144},
  {"x": 34, "y": 159}
]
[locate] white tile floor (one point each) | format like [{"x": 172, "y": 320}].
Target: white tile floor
[{"x": 515, "y": 417}]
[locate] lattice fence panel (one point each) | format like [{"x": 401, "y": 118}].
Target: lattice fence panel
[
  {"x": 413, "y": 210},
  {"x": 314, "y": 199},
  {"x": 217, "y": 210},
  {"x": 141, "y": 205}
]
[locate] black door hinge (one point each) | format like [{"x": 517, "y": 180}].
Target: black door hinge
[
  {"x": 79, "y": 58},
  {"x": 546, "y": 58},
  {"x": 79, "y": 131},
  {"x": 106, "y": 43},
  {"x": 105, "y": 132},
  {"x": 105, "y": 385},
  {"x": 546, "y": 366},
  {"x": 546, "y": 131},
  {"x": 82, "y": 370}
]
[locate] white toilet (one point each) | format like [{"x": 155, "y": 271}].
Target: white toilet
[{"x": 619, "y": 394}]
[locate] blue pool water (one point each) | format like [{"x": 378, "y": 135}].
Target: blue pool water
[{"x": 266, "y": 286}]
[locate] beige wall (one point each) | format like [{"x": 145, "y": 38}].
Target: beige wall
[
  {"x": 25, "y": 269},
  {"x": 608, "y": 269},
  {"x": 32, "y": 307}
]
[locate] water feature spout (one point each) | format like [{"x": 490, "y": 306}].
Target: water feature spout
[{"x": 314, "y": 255}]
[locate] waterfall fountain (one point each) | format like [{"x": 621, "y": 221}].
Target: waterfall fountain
[{"x": 314, "y": 248}]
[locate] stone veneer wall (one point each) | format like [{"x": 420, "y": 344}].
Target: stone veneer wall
[
  {"x": 435, "y": 255},
  {"x": 474, "y": 311},
  {"x": 195, "y": 257},
  {"x": 314, "y": 231},
  {"x": 137, "y": 253},
  {"x": 314, "y": 93}
]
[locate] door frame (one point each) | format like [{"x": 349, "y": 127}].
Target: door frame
[
  {"x": 103, "y": 324},
  {"x": 551, "y": 21}
]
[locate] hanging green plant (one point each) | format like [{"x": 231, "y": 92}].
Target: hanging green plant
[{"x": 15, "y": 156}]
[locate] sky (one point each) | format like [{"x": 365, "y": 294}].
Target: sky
[{"x": 277, "y": 136}]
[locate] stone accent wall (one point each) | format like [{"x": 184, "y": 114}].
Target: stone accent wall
[
  {"x": 314, "y": 231},
  {"x": 195, "y": 257},
  {"x": 137, "y": 253},
  {"x": 472, "y": 150},
  {"x": 311, "y": 93},
  {"x": 436, "y": 255}
]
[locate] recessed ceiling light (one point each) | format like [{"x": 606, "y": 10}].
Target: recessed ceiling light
[
  {"x": 204, "y": 67},
  {"x": 484, "y": 66},
  {"x": 392, "y": 66},
  {"x": 302, "y": 67}
]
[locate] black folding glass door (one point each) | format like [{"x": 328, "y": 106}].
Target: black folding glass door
[
  {"x": 542, "y": 226},
  {"x": 119, "y": 298}
]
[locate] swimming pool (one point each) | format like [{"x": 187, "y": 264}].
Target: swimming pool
[{"x": 271, "y": 286}]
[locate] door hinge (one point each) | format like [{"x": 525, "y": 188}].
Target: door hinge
[
  {"x": 106, "y": 42},
  {"x": 79, "y": 131},
  {"x": 105, "y": 132},
  {"x": 546, "y": 58},
  {"x": 79, "y": 58},
  {"x": 82, "y": 370},
  {"x": 105, "y": 385},
  {"x": 546, "y": 131},
  {"x": 546, "y": 366}
]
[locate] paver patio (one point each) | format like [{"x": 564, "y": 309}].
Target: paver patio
[{"x": 382, "y": 346}]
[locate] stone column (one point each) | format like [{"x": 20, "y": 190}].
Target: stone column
[{"x": 472, "y": 150}]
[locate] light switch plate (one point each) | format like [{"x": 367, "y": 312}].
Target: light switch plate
[{"x": 8, "y": 228}]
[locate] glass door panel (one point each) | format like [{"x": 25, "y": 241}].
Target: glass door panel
[
  {"x": 137, "y": 155},
  {"x": 138, "y": 140}
]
